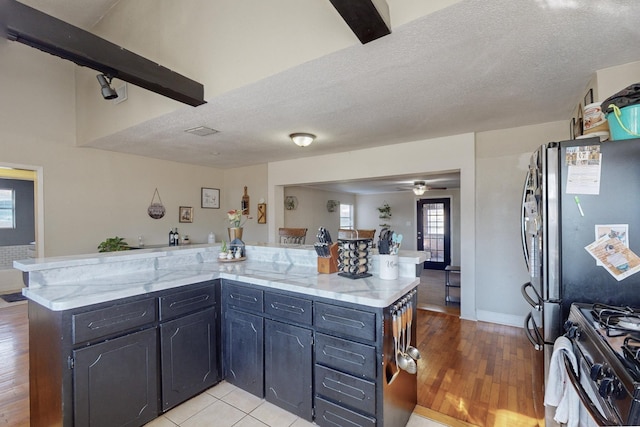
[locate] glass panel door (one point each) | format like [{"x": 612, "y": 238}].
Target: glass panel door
[{"x": 434, "y": 232}]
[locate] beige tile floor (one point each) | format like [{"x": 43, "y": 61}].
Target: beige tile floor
[{"x": 225, "y": 405}]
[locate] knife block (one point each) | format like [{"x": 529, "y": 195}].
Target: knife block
[{"x": 329, "y": 265}]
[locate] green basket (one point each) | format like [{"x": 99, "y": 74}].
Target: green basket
[{"x": 624, "y": 123}]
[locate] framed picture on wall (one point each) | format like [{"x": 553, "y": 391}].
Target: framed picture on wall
[
  {"x": 210, "y": 198},
  {"x": 185, "y": 214}
]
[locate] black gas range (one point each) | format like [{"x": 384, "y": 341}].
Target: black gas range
[{"x": 606, "y": 343}]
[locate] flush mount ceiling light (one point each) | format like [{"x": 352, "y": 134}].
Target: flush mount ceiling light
[
  {"x": 302, "y": 139},
  {"x": 419, "y": 187},
  {"x": 105, "y": 83}
]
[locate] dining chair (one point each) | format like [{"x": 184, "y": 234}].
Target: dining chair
[
  {"x": 348, "y": 233},
  {"x": 366, "y": 234},
  {"x": 296, "y": 236}
]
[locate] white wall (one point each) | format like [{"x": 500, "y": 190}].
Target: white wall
[
  {"x": 614, "y": 79},
  {"x": 502, "y": 159},
  {"x": 312, "y": 212},
  {"x": 254, "y": 178}
]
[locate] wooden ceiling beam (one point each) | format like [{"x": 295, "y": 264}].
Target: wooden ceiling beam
[
  {"x": 368, "y": 19},
  {"x": 41, "y": 31}
]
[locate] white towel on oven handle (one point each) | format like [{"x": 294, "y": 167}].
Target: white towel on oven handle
[{"x": 559, "y": 392}]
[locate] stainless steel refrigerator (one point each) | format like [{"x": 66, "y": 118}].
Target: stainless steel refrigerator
[{"x": 575, "y": 192}]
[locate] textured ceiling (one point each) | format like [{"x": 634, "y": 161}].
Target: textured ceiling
[{"x": 474, "y": 66}]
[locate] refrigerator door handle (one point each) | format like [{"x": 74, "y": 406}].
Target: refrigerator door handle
[
  {"x": 537, "y": 341},
  {"x": 535, "y": 303},
  {"x": 523, "y": 225}
]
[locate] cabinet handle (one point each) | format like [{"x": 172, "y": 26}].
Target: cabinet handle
[
  {"x": 189, "y": 301},
  {"x": 288, "y": 308},
  {"x": 116, "y": 320},
  {"x": 345, "y": 321}
]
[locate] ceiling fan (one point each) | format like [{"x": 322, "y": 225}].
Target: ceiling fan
[{"x": 420, "y": 187}]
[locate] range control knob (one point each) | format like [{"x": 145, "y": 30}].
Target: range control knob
[
  {"x": 596, "y": 371},
  {"x": 571, "y": 330},
  {"x": 610, "y": 387}
]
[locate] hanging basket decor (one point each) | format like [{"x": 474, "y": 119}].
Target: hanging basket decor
[{"x": 156, "y": 210}]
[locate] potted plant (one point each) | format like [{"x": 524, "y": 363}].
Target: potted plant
[
  {"x": 113, "y": 244},
  {"x": 384, "y": 213}
]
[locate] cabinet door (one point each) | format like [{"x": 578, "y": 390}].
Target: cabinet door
[
  {"x": 188, "y": 356},
  {"x": 115, "y": 382},
  {"x": 288, "y": 367},
  {"x": 244, "y": 352}
]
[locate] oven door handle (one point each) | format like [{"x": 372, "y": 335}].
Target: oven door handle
[
  {"x": 537, "y": 341},
  {"x": 584, "y": 397}
]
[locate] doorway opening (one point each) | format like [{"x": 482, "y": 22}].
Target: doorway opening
[{"x": 22, "y": 223}]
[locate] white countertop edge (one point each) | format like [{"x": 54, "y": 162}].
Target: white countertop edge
[
  {"x": 397, "y": 288},
  {"x": 37, "y": 264}
]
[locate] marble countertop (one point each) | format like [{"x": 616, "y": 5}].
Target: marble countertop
[{"x": 64, "y": 283}]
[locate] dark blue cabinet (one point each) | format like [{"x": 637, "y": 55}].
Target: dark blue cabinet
[
  {"x": 126, "y": 361},
  {"x": 288, "y": 367},
  {"x": 116, "y": 382},
  {"x": 243, "y": 351},
  {"x": 189, "y": 356}
]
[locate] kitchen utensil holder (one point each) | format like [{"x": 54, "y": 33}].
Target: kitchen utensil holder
[
  {"x": 328, "y": 265},
  {"x": 354, "y": 258}
]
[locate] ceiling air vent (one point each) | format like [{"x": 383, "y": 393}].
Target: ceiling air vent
[{"x": 201, "y": 131}]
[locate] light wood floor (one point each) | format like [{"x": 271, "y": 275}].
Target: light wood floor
[
  {"x": 14, "y": 366},
  {"x": 471, "y": 372}
]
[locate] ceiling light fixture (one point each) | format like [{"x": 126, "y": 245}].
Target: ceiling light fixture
[
  {"x": 419, "y": 187},
  {"x": 302, "y": 139},
  {"x": 105, "y": 83}
]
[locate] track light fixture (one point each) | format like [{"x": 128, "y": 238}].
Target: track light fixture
[{"x": 105, "y": 83}]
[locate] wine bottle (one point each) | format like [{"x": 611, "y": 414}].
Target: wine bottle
[
  {"x": 176, "y": 237},
  {"x": 245, "y": 202},
  {"x": 172, "y": 237}
]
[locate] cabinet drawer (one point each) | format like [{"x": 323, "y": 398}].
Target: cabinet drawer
[
  {"x": 108, "y": 321},
  {"x": 297, "y": 310},
  {"x": 347, "y": 356},
  {"x": 346, "y": 390},
  {"x": 345, "y": 321},
  {"x": 331, "y": 415},
  {"x": 187, "y": 301},
  {"x": 242, "y": 297}
]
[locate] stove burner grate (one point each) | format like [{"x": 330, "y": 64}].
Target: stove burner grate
[
  {"x": 631, "y": 351},
  {"x": 617, "y": 321}
]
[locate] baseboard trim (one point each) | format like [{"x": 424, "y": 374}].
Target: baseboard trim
[
  {"x": 441, "y": 418},
  {"x": 500, "y": 318}
]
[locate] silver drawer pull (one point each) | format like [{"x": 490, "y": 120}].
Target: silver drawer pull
[
  {"x": 189, "y": 301},
  {"x": 97, "y": 324},
  {"x": 344, "y": 321}
]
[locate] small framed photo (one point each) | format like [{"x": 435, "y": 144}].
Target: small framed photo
[
  {"x": 210, "y": 198},
  {"x": 186, "y": 214}
]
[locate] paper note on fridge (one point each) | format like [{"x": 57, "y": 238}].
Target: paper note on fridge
[
  {"x": 583, "y": 169},
  {"x": 616, "y": 258}
]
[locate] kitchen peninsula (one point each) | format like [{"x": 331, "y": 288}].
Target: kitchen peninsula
[{"x": 126, "y": 336}]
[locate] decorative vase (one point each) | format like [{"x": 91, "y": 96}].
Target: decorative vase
[{"x": 235, "y": 233}]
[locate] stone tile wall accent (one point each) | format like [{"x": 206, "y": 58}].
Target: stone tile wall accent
[{"x": 10, "y": 253}]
